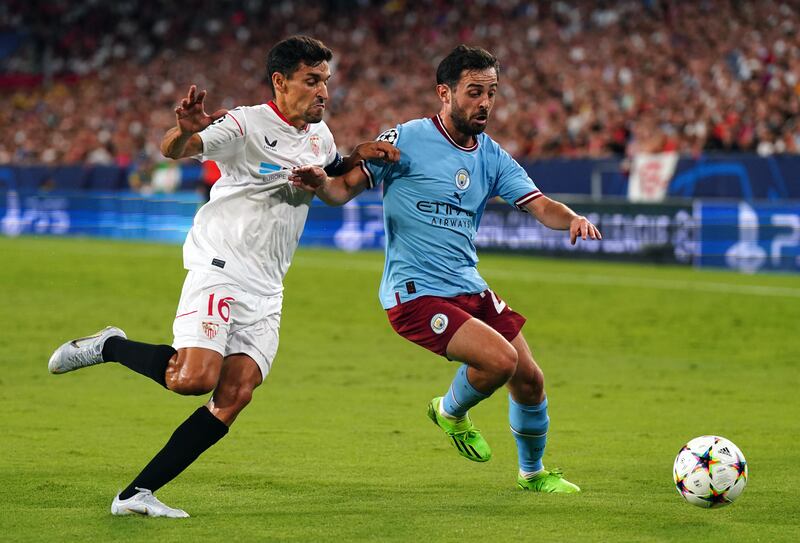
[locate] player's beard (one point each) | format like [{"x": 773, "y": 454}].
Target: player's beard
[
  {"x": 462, "y": 122},
  {"x": 313, "y": 114}
]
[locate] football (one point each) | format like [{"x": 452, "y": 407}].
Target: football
[{"x": 710, "y": 471}]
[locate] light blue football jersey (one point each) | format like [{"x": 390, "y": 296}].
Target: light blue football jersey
[{"x": 433, "y": 199}]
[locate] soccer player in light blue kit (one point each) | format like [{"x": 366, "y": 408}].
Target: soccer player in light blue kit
[{"x": 433, "y": 199}]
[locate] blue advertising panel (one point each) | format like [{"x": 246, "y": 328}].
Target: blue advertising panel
[
  {"x": 743, "y": 236},
  {"x": 116, "y": 215},
  {"x": 749, "y": 237}
]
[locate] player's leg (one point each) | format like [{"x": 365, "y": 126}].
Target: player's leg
[
  {"x": 252, "y": 328},
  {"x": 488, "y": 362},
  {"x": 527, "y": 415},
  {"x": 446, "y": 327},
  {"x": 192, "y": 370},
  {"x": 207, "y": 312},
  {"x": 188, "y": 371},
  {"x": 201, "y": 328},
  {"x": 185, "y": 371},
  {"x": 239, "y": 377},
  {"x": 527, "y": 412}
]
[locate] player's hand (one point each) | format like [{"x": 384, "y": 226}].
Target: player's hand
[
  {"x": 377, "y": 150},
  {"x": 580, "y": 226},
  {"x": 191, "y": 114},
  {"x": 308, "y": 178}
]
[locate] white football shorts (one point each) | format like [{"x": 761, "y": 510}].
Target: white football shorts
[{"x": 216, "y": 314}]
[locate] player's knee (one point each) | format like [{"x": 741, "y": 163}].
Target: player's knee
[
  {"x": 191, "y": 385},
  {"x": 230, "y": 401},
  {"x": 506, "y": 362}
]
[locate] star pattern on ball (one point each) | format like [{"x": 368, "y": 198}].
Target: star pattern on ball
[
  {"x": 717, "y": 499},
  {"x": 741, "y": 469},
  {"x": 704, "y": 459}
]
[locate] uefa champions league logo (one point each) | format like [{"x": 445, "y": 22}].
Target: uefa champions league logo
[{"x": 389, "y": 136}]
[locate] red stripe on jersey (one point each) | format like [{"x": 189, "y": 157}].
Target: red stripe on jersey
[
  {"x": 184, "y": 314},
  {"x": 530, "y": 197},
  {"x": 278, "y": 112},
  {"x": 397, "y": 297},
  {"x": 237, "y": 124},
  {"x": 437, "y": 122}
]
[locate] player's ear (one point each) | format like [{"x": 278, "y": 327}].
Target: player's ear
[
  {"x": 444, "y": 93},
  {"x": 279, "y": 82}
]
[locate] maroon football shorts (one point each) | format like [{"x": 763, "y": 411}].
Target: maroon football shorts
[{"x": 431, "y": 321}]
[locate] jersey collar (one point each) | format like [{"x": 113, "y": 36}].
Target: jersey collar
[
  {"x": 437, "y": 122},
  {"x": 277, "y": 111}
]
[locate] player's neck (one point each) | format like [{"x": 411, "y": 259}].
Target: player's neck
[
  {"x": 464, "y": 140},
  {"x": 283, "y": 111}
]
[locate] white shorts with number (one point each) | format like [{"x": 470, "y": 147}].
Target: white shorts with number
[{"x": 216, "y": 314}]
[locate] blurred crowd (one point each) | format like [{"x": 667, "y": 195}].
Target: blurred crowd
[{"x": 96, "y": 82}]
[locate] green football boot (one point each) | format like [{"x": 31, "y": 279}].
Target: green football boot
[
  {"x": 548, "y": 481},
  {"x": 463, "y": 435}
]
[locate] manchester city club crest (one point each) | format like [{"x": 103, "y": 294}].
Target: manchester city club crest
[
  {"x": 462, "y": 179},
  {"x": 439, "y": 323}
]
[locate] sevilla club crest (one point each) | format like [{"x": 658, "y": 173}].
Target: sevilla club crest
[{"x": 314, "y": 141}]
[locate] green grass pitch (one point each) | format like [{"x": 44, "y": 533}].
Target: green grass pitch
[{"x": 336, "y": 445}]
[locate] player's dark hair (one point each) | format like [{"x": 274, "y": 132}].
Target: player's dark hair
[
  {"x": 286, "y": 56},
  {"x": 463, "y": 58}
]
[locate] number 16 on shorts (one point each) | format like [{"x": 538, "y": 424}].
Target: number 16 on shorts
[{"x": 218, "y": 308}]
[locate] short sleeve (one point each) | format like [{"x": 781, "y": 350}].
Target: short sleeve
[
  {"x": 333, "y": 155},
  {"x": 513, "y": 183},
  {"x": 377, "y": 170},
  {"x": 224, "y": 138}
]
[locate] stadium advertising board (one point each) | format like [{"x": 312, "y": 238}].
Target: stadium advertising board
[
  {"x": 738, "y": 235},
  {"x": 749, "y": 237},
  {"x": 652, "y": 232},
  {"x": 662, "y": 233},
  {"x": 98, "y": 214}
]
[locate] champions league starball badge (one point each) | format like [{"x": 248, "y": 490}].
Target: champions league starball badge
[
  {"x": 462, "y": 179},
  {"x": 389, "y": 136}
]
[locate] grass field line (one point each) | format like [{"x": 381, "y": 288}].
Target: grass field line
[
  {"x": 660, "y": 284},
  {"x": 592, "y": 279}
]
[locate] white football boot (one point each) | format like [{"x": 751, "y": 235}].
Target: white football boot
[
  {"x": 144, "y": 503},
  {"x": 82, "y": 352}
]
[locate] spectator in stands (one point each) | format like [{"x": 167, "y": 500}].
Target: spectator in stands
[{"x": 588, "y": 78}]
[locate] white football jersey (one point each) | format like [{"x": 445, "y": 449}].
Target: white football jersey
[{"x": 250, "y": 228}]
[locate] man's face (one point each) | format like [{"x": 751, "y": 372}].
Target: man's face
[
  {"x": 306, "y": 92},
  {"x": 472, "y": 100}
]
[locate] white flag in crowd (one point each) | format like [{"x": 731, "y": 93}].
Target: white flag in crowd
[{"x": 650, "y": 176}]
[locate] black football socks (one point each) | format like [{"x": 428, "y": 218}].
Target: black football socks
[
  {"x": 197, "y": 433},
  {"x": 149, "y": 360}
]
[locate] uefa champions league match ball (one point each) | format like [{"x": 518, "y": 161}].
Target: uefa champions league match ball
[{"x": 710, "y": 471}]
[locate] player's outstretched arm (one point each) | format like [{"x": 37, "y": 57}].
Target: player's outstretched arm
[
  {"x": 371, "y": 150},
  {"x": 334, "y": 191},
  {"x": 182, "y": 141},
  {"x": 558, "y": 216}
]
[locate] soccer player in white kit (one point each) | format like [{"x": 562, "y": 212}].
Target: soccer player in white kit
[{"x": 236, "y": 253}]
